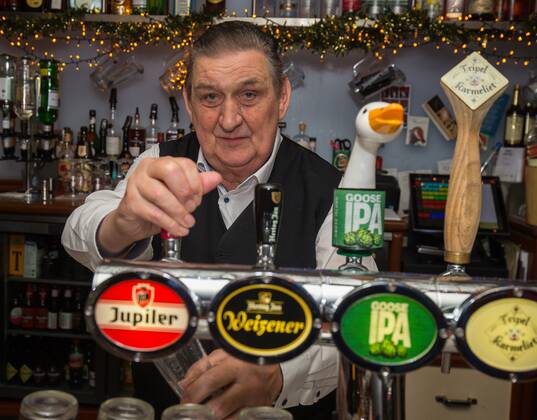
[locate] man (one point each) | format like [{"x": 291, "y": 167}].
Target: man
[{"x": 201, "y": 188}]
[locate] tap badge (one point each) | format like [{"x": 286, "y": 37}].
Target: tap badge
[
  {"x": 358, "y": 221},
  {"x": 276, "y": 197},
  {"x": 264, "y": 319},
  {"x": 141, "y": 312},
  {"x": 376, "y": 328},
  {"x": 500, "y": 335}
]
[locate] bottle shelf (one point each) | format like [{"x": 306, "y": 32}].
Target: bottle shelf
[
  {"x": 49, "y": 333},
  {"x": 84, "y": 394},
  {"x": 54, "y": 281}
]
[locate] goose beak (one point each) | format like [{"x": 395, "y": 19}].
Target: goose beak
[{"x": 386, "y": 120}]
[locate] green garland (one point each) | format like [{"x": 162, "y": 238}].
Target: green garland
[{"x": 336, "y": 35}]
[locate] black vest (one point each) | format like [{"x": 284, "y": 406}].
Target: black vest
[{"x": 308, "y": 183}]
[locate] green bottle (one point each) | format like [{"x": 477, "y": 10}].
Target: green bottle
[{"x": 49, "y": 92}]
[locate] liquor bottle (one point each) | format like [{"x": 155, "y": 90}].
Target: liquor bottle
[
  {"x": 136, "y": 136},
  {"x": 53, "y": 309},
  {"x": 65, "y": 155},
  {"x": 101, "y": 143},
  {"x": 157, "y": 7},
  {"x": 481, "y": 9},
  {"x": 120, "y": 7},
  {"x": 41, "y": 312},
  {"x": 53, "y": 370},
  {"x": 530, "y": 114},
  {"x": 46, "y": 143},
  {"x": 124, "y": 161},
  {"x": 33, "y": 5},
  {"x": 288, "y": 8},
  {"x": 453, "y": 9},
  {"x": 8, "y": 136},
  {"x": 39, "y": 371},
  {"x": 56, "y": 6},
  {"x": 77, "y": 312},
  {"x": 313, "y": 144},
  {"x": 139, "y": 6},
  {"x": 75, "y": 364},
  {"x": 13, "y": 360},
  {"x": 153, "y": 130},
  {"x": 82, "y": 144},
  {"x": 90, "y": 363},
  {"x": 28, "y": 308},
  {"x": 348, "y": 6},
  {"x": 218, "y": 7},
  {"x": 92, "y": 135},
  {"x": 302, "y": 138},
  {"x": 49, "y": 92},
  {"x": 15, "y": 312},
  {"x": 113, "y": 145},
  {"x": 514, "y": 122},
  {"x": 514, "y": 10},
  {"x": 27, "y": 362},
  {"x": 66, "y": 311},
  {"x": 7, "y": 83},
  {"x": 174, "y": 132}
]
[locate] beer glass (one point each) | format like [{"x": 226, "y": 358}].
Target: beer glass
[
  {"x": 112, "y": 72},
  {"x": 50, "y": 405},
  {"x": 188, "y": 412},
  {"x": 125, "y": 408},
  {"x": 264, "y": 413}
]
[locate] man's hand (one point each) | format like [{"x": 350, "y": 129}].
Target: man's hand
[
  {"x": 231, "y": 384},
  {"x": 161, "y": 193}
]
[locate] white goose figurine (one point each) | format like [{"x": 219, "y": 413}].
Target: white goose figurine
[{"x": 376, "y": 123}]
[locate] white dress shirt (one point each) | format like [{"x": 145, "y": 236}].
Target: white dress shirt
[{"x": 306, "y": 378}]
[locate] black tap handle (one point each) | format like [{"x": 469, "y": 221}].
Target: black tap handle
[{"x": 268, "y": 212}]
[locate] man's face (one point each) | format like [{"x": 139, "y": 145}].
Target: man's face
[{"x": 235, "y": 109}]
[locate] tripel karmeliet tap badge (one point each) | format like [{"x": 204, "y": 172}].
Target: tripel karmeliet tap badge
[{"x": 358, "y": 219}]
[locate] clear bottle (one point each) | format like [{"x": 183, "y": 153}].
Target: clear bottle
[
  {"x": 136, "y": 136},
  {"x": 7, "y": 82},
  {"x": 302, "y": 138},
  {"x": 153, "y": 130},
  {"x": 514, "y": 122},
  {"x": 66, "y": 311},
  {"x": 92, "y": 134},
  {"x": 288, "y": 8},
  {"x": 113, "y": 143},
  {"x": 82, "y": 144},
  {"x": 530, "y": 115}
]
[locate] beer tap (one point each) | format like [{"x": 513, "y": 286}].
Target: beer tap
[{"x": 268, "y": 212}]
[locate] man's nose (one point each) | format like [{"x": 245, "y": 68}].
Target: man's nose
[{"x": 230, "y": 116}]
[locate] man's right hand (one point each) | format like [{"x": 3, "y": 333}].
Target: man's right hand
[{"x": 161, "y": 193}]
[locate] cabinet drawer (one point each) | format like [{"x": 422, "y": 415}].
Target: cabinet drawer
[{"x": 491, "y": 397}]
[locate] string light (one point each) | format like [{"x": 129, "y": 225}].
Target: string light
[{"x": 336, "y": 35}]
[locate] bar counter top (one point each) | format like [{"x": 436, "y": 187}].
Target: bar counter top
[{"x": 62, "y": 206}]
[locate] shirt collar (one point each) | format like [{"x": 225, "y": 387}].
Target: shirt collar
[{"x": 261, "y": 176}]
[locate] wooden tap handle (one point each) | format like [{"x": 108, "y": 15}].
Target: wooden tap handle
[{"x": 463, "y": 208}]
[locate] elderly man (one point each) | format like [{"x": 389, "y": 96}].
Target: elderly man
[{"x": 201, "y": 188}]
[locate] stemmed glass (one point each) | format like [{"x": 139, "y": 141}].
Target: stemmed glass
[{"x": 25, "y": 110}]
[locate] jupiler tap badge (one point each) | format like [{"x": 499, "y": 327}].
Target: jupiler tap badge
[
  {"x": 142, "y": 314},
  {"x": 358, "y": 219}
]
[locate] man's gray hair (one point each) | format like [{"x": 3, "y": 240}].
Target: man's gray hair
[{"x": 234, "y": 36}]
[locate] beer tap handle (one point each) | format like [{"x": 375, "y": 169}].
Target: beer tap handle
[
  {"x": 268, "y": 212},
  {"x": 171, "y": 246}
]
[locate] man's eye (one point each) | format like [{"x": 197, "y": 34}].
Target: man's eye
[
  {"x": 210, "y": 99},
  {"x": 249, "y": 96}
]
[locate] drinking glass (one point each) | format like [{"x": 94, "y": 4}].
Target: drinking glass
[
  {"x": 188, "y": 412},
  {"x": 264, "y": 413},
  {"x": 115, "y": 71},
  {"x": 51, "y": 405},
  {"x": 125, "y": 408}
]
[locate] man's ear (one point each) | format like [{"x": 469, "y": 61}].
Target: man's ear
[
  {"x": 285, "y": 98},
  {"x": 186, "y": 100}
]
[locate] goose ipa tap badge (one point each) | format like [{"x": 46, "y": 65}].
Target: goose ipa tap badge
[{"x": 358, "y": 224}]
